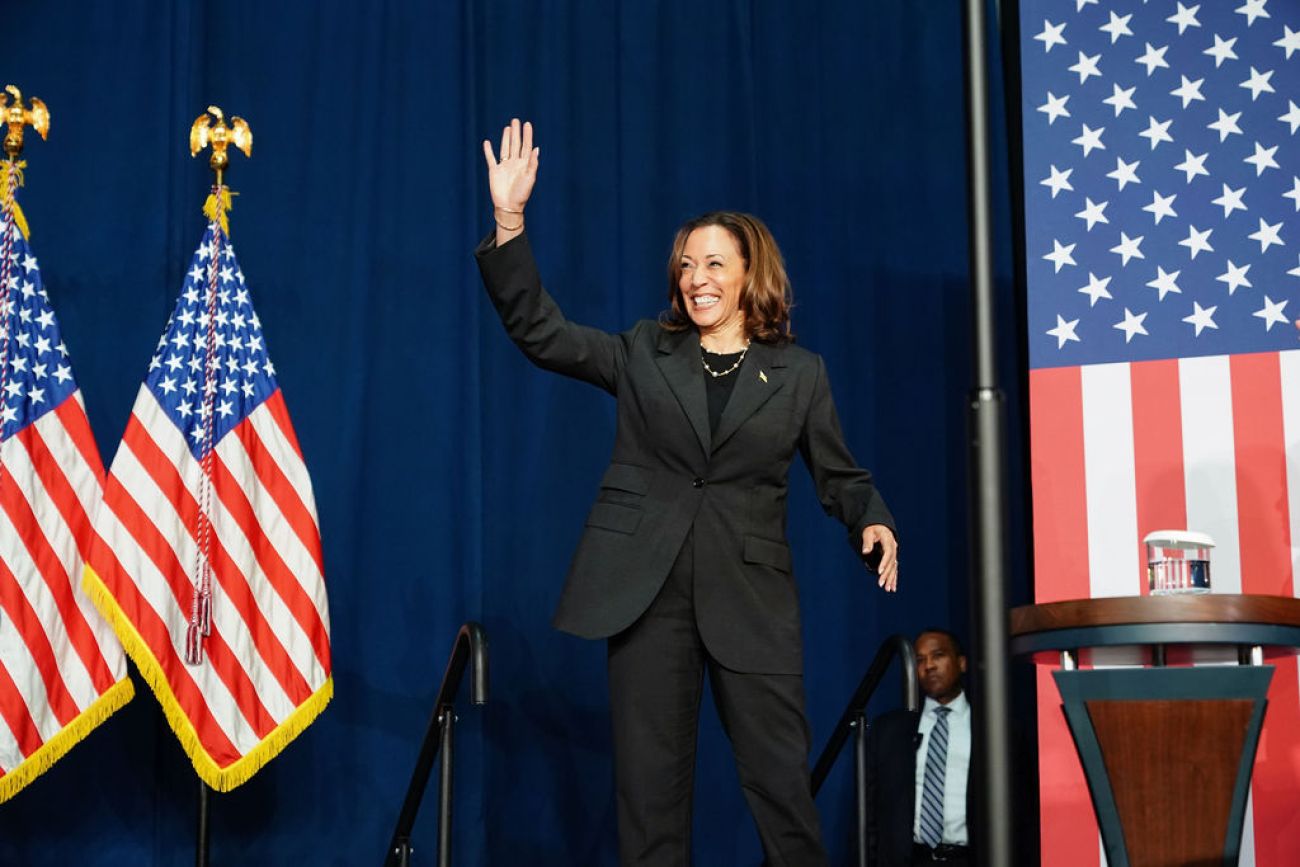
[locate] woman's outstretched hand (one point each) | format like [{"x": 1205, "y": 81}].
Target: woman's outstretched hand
[
  {"x": 511, "y": 176},
  {"x": 879, "y": 534}
]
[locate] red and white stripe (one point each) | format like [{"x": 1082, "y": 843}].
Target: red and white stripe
[
  {"x": 57, "y": 654},
  {"x": 1118, "y": 450},
  {"x": 268, "y": 652}
]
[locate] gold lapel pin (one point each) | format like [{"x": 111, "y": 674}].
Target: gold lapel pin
[{"x": 762, "y": 376}]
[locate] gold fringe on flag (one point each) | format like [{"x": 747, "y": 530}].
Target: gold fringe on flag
[
  {"x": 68, "y": 737},
  {"x": 11, "y": 177},
  {"x": 219, "y": 778}
]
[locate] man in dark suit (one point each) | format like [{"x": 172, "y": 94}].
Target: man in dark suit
[{"x": 918, "y": 767}]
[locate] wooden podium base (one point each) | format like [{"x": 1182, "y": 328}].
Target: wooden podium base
[{"x": 1168, "y": 754}]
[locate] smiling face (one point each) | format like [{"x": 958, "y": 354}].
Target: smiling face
[
  {"x": 939, "y": 667},
  {"x": 712, "y": 275}
]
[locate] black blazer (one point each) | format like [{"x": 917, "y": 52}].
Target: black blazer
[
  {"x": 669, "y": 473},
  {"x": 892, "y": 745}
]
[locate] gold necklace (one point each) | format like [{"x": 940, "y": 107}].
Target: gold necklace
[{"x": 717, "y": 373}]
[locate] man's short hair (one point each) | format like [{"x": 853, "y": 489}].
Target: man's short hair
[{"x": 952, "y": 636}]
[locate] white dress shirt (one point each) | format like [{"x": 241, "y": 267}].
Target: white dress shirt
[{"x": 955, "y": 771}]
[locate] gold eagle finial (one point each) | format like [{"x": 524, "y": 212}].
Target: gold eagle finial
[
  {"x": 203, "y": 133},
  {"x": 220, "y": 136},
  {"x": 15, "y": 117}
]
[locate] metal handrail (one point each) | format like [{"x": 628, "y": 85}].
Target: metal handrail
[
  {"x": 854, "y": 721},
  {"x": 470, "y": 649}
]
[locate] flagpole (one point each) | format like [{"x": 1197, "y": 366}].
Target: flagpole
[
  {"x": 992, "y": 741},
  {"x": 201, "y": 846}
]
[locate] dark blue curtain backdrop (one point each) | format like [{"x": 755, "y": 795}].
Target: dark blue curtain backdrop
[{"x": 452, "y": 477}]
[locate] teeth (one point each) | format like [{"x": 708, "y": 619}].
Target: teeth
[{"x": 705, "y": 300}]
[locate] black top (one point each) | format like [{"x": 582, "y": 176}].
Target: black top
[{"x": 719, "y": 388}]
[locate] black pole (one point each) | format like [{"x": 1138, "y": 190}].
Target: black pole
[
  {"x": 860, "y": 783},
  {"x": 988, "y": 477},
  {"x": 444, "y": 787},
  {"x": 201, "y": 844}
]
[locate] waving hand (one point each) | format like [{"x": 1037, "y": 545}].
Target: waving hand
[{"x": 511, "y": 176}]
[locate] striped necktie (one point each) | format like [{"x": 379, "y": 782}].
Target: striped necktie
[{"x": 936, "y": 762}]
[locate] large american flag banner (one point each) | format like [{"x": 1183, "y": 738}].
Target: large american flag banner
[
  {"x": 1162, "y": 237},
  {"x": 208, "y": 561},
  {"x": 62, "y": 671}
]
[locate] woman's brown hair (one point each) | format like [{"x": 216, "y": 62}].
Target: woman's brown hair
[{"x": 765, "y": 297}]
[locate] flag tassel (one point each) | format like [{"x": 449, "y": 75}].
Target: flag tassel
[
  {"x": 194, "y": 644},
  {"x": 205, "y": 612}
]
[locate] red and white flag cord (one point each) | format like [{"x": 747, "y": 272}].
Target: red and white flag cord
[{"x": 200, "y": 625}]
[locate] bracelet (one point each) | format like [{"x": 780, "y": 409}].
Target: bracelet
[{"x": 516, "y": 226}]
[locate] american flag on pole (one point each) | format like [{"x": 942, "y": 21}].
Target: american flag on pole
[
  {"x": 1162, "y": 202},
  {"x": 62, "y": 671},
  {"x": 208, "y": 561}
]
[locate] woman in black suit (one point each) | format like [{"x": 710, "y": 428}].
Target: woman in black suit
[{"x": 683, "y": 565}]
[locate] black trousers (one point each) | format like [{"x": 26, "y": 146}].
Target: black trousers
[{"x": 656, "y": 675}]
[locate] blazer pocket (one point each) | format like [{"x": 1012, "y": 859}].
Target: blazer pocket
[
  {"x": 767, "y": 553},
  {"x": 626, "y": 477},
  {"x": 612, "y": 516}
]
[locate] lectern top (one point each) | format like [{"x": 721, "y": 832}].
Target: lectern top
[
  {"x": 1208, "y": 619},
  {"x": 1121, "y": 610}
]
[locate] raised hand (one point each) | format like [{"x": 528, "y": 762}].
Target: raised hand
[{"x": 511, "y": 176}]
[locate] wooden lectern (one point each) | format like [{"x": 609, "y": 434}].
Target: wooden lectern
[{"x": 1167, "y": 749}]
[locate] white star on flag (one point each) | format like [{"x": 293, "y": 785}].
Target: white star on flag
[
  {"x": 1058, "y": 181},
  {"x": 1117, "y": 27},
  {"x": 1165, "y": 282},
  {"x": 1294, "y": 193},
  {"x": 1128, "y": 248},
  {"x": 1157, "y": 131},
  {"x": 1051, "y": 35},
  {"x": 1230, "y": 200},
  {"x": 1188, "y": 91},
  {"x": 1154, "y": 58},
  {"x": 1161, "y": 206},
  {"x": 1271, "y": 313},
  {"x": 1125, "y": 173},
  {"x": 1235, "y": 277},
  {"x": 1086, "y": 66},
  {"x": 1222, "y": 50},
  {"x": 1290, "y": 41},
  {"x": 1055, "y": 107},
  {"x": 1093, "y": 213},
  {"x": 1193, "y": 165},
  {"x": 1184, "y": 18},
  {"x": 1064, "y": 331},
  {"x": 1225, "y": 126},
  {"x": 1267, "y": 235},
  {"x": 1258, "y": 83},
  {"x": 1090, "y": 139},
  {"x": 1202, "y": 318},
  {"x": 1252, "y": 9},
  {"x": 1060, "y": 255},
  {"x": 1096, "y": 288},
  {"x": 1292, "y": 116},
  {"x": 1197, "y": 242},
  {"x": 1131, "y": 325},
  {"x": 1120, "y": 98},
  {"x": 1262, "y": 159}
]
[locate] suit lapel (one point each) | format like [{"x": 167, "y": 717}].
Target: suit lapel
[
  {"x": 679, "y": 362},
  {"x": 761, "y": 376}
]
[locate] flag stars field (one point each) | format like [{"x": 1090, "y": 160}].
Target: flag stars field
[{"x": 1213, "y": 96}]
